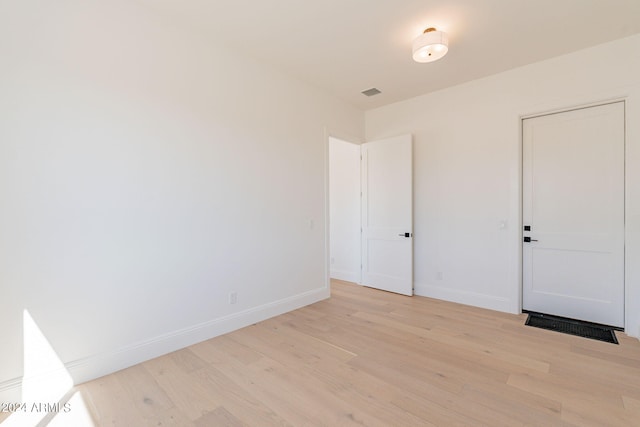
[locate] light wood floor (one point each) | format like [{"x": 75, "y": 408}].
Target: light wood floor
[{"x": 367, "y": 357}]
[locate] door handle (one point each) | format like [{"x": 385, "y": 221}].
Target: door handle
[
  {"x": 529, "y": 239},
  {"x": 404, "y": 234}
]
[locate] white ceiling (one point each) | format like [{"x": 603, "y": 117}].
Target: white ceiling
[{"x": 347, "y": 46}]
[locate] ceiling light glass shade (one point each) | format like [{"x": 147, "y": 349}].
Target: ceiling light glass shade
[{"x": 430, "y": 46}]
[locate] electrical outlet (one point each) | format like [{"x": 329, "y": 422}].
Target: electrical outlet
[{"x": 233, "y": 297}]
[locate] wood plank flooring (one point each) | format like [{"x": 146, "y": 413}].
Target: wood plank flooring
[{"x": 367, "y": 357}]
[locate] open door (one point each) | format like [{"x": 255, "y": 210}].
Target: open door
[{"x": 387, "y": 205}]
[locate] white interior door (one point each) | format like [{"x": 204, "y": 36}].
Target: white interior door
[
  {"x": 387, "y": 203},
  {"x": 573, "y": 202}
]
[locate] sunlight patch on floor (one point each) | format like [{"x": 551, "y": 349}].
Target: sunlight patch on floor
[{"x": 45, "y": 385}]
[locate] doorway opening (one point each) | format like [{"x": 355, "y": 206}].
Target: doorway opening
[
  {"x": 370, "y": 213},
  {"x": 344, "y": 210}
]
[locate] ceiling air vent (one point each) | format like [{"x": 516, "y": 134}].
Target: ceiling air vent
[{"x": 371, "y": 92}]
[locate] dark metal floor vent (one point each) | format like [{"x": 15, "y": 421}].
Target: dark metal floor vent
[{"x": 572, "y": 327}]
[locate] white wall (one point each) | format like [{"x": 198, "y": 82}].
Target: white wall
[
  {"x": 145, "y": 174},
  {"x": 467, "y": 158},
  {"x": 344, "y": 178}
]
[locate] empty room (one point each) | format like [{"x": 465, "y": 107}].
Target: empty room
[{"x": 380, "y": 213}]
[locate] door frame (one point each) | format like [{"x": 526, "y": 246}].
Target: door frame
[{"x": 520, "y": 233}]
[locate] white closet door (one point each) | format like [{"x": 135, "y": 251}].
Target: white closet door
[{"x": 573, "y": 203}]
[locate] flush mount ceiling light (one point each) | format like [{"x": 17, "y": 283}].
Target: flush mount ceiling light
[{"x": 430, "y": 46}]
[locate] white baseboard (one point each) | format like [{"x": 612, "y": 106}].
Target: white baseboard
[
  {"x": 98, "y": 365},
  {"x": 347, "y": 276},
  {"x": 490, "y": 302}
]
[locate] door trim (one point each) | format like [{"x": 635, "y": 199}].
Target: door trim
[{"x": 570, "y": 108}]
